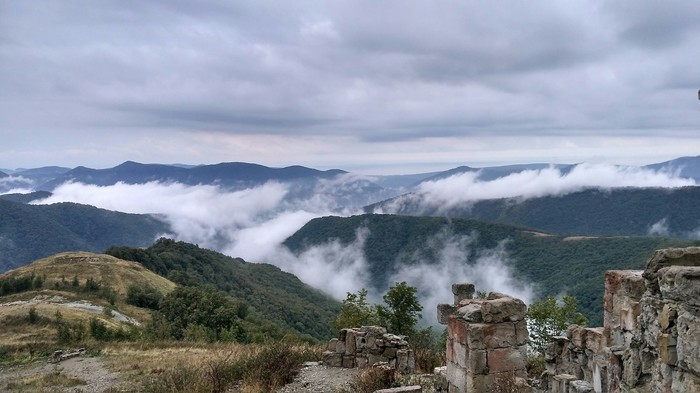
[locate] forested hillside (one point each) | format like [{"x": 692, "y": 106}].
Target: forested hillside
[
  {"x": 553, "y": 263},
  {"x": 278, "y": 296},
  {"x": 626, "y": 211},
  {"x": 31, "y": 232}
]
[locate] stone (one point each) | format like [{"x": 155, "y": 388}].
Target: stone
[
  {"x": 680, "y": 284},
  {"x": 668, "y": 316},
  {"x": 560, "y": 383},
  {"x": 500, "y": 335},
  {"x": 688, "y": 339},
  {"x": 506, "y": 359},
  {"x": 667, "y": 349},
  {"x": 521, "y": 334},
  {"x": 470, "y": 312},
  {"x": 402, "y": 389},
  {"x": 477, "y": 362},
  {"x": 462, "y": 291},
  {"x": 348, "y": 361},
  {"x": 444, "y": 311},
  {"x": 503, "y": 309},
  {"x": 595, "y": 339},
  {"x": 332, "y": 344},
  {"x": 579, "y": 386},
  {"x": 332, "y": 359}
]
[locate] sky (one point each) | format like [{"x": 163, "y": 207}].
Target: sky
[{"x": 390, "y": 87}]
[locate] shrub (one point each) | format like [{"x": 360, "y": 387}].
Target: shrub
[
  {"x": 373, "y": 379},
  {"x": 33, "y": 315}
]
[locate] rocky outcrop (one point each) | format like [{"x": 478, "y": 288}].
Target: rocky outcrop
[
  {"x": 367, "y": 346},
  {"x": 650, "y": 341},
  {"x": 486, "y": 340}
]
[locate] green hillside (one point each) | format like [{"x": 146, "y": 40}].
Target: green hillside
[
  {"x": 616, "y": 212},
  {"x": 278, "y": 296},
  {"x": 554, "y": 263},
  {"x": 30, "y": 232}
]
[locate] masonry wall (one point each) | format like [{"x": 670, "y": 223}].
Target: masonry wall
[
  {"x": 486, "y": 340},
  {"x": 368, "y": 346},
  {"x": 650, "y": 341}
]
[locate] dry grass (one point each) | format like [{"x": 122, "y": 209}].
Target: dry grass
[{"x": 37, "y": 382}]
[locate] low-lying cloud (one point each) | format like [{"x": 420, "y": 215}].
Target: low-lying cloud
[{"x": 464, "y": 188}]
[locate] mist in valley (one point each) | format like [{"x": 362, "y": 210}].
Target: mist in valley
[{"x": 253, "y": 223}]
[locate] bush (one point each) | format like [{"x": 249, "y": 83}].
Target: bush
[
  {"x": 373, "y": 379},
  {"x": 143, "y": 296}
]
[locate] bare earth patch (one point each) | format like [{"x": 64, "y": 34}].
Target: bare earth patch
[{"x": 315, "y": 378}]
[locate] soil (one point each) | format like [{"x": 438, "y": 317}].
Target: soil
[
  {"x": 313, "y": 377},
  {"x": 89, "y": 369},
  {"x": 316, "y": 378}
]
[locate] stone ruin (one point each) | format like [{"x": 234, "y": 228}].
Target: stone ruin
[
  {"x": 486, "y": 340},
  {"x": 650, "y": 341},
  {"x": 368, "y": 346}
]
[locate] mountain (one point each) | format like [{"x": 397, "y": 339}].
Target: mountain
[
  {"x": 492, "y": 173},
  {"x": 278, "y": 296},
  {"x": 229, "y": 175},
  {"x": 41, "y": 175},
  {"x": 616, "y": 212},
  {"x": 552, "y": 263},
  {"x": 683, "y": 166},
  {"x": 30, "y": 232}
]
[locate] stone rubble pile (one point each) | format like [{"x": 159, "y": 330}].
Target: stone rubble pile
[
  {"x": 650, "y": 341},
  {"x": 367, "y": 346},
  {"x": 486, "y": 340}
]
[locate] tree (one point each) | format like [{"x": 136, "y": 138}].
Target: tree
[
  {"x": 355, "y": 311},
  {"x": 548, "y": 318},
  {"x": 402, "y": 310}
]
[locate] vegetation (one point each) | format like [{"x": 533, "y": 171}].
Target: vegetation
[
  {"x": 273, "y": 295},
  {"x": 592, "y": 212},
  {"x": 30, "y": 232},
  {"x": 548, "y": 318},
  {"x": 553, "y": 263}
]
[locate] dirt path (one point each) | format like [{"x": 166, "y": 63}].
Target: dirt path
[
  {"x": 91, "y": 370},
  {"x": 315, "y": 378}
]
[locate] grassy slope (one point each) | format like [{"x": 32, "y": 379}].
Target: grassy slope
[{"x": 58, "y": 272}]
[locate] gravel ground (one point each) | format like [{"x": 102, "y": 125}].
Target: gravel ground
[
  {"x": 89, "y": 369},
  {"x": 315, "y": 378}
]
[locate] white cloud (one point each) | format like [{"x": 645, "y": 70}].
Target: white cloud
[
  {"x": 464, "y": 188},
  {"x": 659, "y": 228},
  {"x": 489, "y": 271}
]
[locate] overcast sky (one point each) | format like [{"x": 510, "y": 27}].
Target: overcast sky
[{"x": 366, "y": 86}]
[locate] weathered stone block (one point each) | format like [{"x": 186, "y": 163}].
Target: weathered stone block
[
  {"x": 521, "y": 333},
  {"x": 457, "y": 329},
  {"x": 332, "y": 344},
  {"x": 402, "y": 389},
  {"x": 500, "y": 335},
  {"x": 350, "y": 342},
  {"x": 595, "y": 339},
  {"x": 667, "y": 317},
  {"x": 503, "y": 309},
  {"x": 348, "y": 361},
  {"x": 560, "y": 383},
  {"x": 460, "y": 354},
  {"x": 457, "y": 377},
  {"x": 577, "y": 335},
  {"x": 477, "y": 362},
  {"x": 471, "y": 312},
  {"x": 444, "y": 311},
  {"x": 579, "y": 386},
  {"x": 667, "y": 349},
  {"x": 462, "y": 291},
  {"x": 688, "y": 340},
  {"x": 680, "y": 284},
  {"x": 340, "y": 346},
  {"x": 506, "y": 359},
  {"x": 332, "y": 359}
]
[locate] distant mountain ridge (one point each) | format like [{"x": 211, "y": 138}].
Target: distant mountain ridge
[{"x": 230, "y": 174}]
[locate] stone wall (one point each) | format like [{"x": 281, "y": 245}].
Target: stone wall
[
  {"x": 486, "y": 340},
  {"x": 650, "y": 341},
  {"x": 367, "y": 346}
]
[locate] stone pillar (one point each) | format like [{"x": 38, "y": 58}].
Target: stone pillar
[{"x": 486, "y": 340}]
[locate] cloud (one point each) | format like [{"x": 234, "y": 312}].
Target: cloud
[
  {"x": 311, "y": 73},
  {"x": 659, "y": 228},
  {"x": 15, "y": 185},
  {"x": 465, "y": 188},
  {"x": 489, "y": 271}
]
